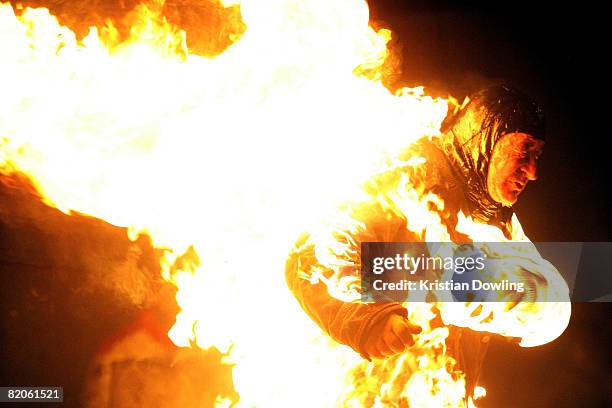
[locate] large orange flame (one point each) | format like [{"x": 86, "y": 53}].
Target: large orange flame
[{"x": 232, "y": 157}]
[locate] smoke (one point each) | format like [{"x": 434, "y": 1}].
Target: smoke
[
  {"x": 87, "y": 257},
  {"x": 210, "y": 27}
]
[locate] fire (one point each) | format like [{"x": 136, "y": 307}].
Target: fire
[
  {"x": 223, "y": 161},
  {"x": 426, "y": 375}
]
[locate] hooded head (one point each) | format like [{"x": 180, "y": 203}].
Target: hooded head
[{"x": 470, "y": 135}]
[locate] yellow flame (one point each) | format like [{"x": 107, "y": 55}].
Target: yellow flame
[
  {"x": 223, "y": 161},
  {"x": 426, "y": 375}
]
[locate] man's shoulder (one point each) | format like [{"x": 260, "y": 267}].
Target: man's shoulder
[
  {"x": 427, "y": 147},
  {"x": 428, "y": 166}
]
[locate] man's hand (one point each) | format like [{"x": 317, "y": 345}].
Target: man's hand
[{"x": 390, "y": 336}]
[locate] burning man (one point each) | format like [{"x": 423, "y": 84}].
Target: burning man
[{"x": 480, "y": 164}]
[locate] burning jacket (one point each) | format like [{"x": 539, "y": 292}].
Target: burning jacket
[{"x": 422, "y": 195}]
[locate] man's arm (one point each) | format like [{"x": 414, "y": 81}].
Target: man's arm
[
  {"x": 373, "y": 329},
  {"x": 538, "y": 315}
]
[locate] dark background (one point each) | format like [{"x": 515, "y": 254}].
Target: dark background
[
  {"x": 553, "y": 52},
  {"x": 52, "y": 323}
]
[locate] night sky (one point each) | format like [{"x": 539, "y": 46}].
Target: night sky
[{"x": 551, "y": 52}]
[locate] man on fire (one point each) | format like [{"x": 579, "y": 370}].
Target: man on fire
[{"x": 483, "y": 160}]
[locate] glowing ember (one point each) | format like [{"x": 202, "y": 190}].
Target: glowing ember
[{"x": 233, "y": 156}]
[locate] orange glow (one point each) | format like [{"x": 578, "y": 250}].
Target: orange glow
[{"x": 223, "y": 161}]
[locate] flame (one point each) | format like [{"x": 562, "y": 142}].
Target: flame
[
  {"x": 223, "y": 161},
  {"x": 426, "y": 376}
]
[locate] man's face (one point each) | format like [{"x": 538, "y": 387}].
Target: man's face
[{"x": 512, "y": 166}]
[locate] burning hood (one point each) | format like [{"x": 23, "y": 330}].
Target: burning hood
[{"x": 470, "y": 134}]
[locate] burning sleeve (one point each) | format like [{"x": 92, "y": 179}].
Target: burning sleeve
[
  {"x": 322, "y": 271},
  {"x": 539, "y": 316}
]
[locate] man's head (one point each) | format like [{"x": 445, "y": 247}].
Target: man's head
[
  {"x": 512, "y": 166},
  {"x": 484, "y": 144}
]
